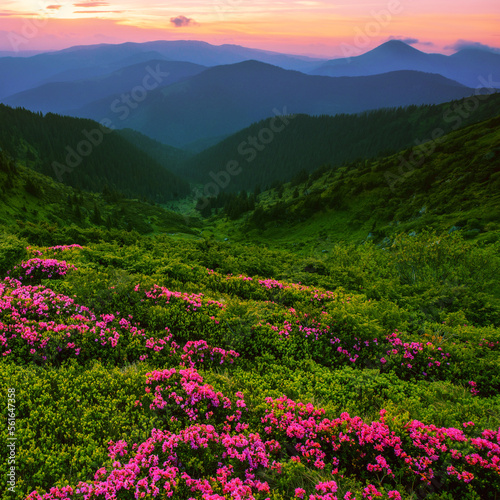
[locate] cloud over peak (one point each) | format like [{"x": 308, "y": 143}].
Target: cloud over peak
[
  {"x": 466, "y": 44},
  {"x": 410, "y": 41}
]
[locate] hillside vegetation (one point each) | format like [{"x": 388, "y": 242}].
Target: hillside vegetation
[
  {"x": 196, "y": 368},
  {"x": 85, "y": 155},
  {"x": 305, "y": 143},
  {"x": 341, "y": 344},
  {"x": 451, "y": 184}
]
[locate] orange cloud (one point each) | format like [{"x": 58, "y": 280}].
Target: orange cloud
[
  {"x": 98, "y": 11},
  {"x": 92, "y": 4}
]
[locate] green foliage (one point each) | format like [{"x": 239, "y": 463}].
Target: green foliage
[
  {"x": 66, "y": 142},
  {"x": 12, "y": 252},
  {"x": 32, "y": 189},
  {"x": 65, "y": 418}
]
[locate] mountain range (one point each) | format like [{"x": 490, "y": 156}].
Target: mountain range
[
  {"x": 452, "y": 188},
  {"x": 277, "y": 149},
  {"x": 224, "y": 99},
  {"x": 65, "y": 96},
  {"x": 83, "y": 62},
  {"x": 192, "y": 94},
  {"x": 471, "y": 66}
]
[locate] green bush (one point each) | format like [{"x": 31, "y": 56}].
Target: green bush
[
  {"x": 12, "y": 252},
  {"x": 65, "y": 418}
]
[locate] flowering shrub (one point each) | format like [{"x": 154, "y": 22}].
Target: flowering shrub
[
  {"x": 332, "y": 332},
  {"x": 197, "y": 401},
  {"x": 223, "y": 456},
  {"x": 36, "y": 324},
  {"x": 37, "y": 269},
  {"x": 190, "y": 316},
  {"x": 196, "y": 350},
  {"x": 211, "y": 385},
  {"x": 285, "y": 293},
  {"x": 421, "y": 450},
  {"x": 417, "y": 359}
]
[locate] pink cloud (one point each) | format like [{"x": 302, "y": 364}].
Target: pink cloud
[
  {"x": 13, "y": 13},
  {"x": 91, "y": 4},
  {"x": 98, "y": 11}
]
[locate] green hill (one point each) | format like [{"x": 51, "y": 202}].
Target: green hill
[
  {"x": 305, "y": 143},
  {"x": 37, "y": 207},
  {"x": 454, "y": 184},
  {"x": 85, "y": 155}
]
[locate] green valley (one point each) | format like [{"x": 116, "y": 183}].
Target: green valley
[{"x": 334, "y": 336}]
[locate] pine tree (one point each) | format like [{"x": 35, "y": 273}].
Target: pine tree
[{"x": 96, "y": 215}]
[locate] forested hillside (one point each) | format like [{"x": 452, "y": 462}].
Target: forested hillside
[
  {"x": 85, "y": 155},
  {"x": 40, "y": 208},
  {"x": 304, "y": 143},
  {"x": 173, "y": 159},
  {"x": 449, "y": 185}
]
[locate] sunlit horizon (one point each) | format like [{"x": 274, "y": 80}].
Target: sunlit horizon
[{"x": 304, "y": 27}]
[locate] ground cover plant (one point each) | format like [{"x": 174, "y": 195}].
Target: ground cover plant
[{"x": 167, "y": 368}]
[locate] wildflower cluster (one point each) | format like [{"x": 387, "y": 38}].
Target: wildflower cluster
[
  {"x": 39, "y": 325},
  {"x": 211, "y": 452},
  {"x": 36, "y": 269},
  {"x": 196, "y": 352},
  {"x": 52, "y": 250}
]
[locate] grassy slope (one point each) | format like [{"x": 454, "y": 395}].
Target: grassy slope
[
  {"x": 50, "y": 204},
  {"x": 457, "y": 185}
]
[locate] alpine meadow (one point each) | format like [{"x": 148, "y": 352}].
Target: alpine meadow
[{"x": 250, "y": 251}]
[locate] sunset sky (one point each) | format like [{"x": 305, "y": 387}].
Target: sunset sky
[{"x": 313, "y": 27}]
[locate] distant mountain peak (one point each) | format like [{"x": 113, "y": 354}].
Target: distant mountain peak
[
  {"x": 251, "y": 65},
  {"x": 395, "y": 43},
  {"x": 394, "y": 47}
]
